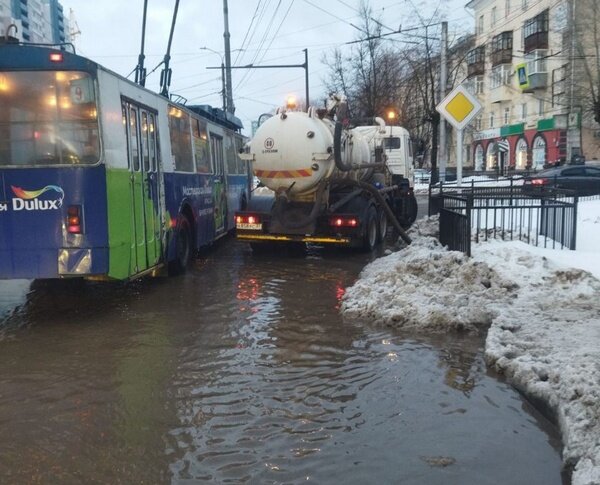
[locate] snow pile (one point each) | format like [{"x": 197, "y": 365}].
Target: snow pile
[
  {"x": 543, "y": 319},
  {"x": 425, "y": 287},
  {"x": 547, "y": 342}
]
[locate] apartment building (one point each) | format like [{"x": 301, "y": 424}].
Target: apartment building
[
  {"x": 520, "y": 71},
  {"x": 38, "y": 21}
]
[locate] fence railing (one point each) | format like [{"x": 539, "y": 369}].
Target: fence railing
[{"x": 547, "y": 219}]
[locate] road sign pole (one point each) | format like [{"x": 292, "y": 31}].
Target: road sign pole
[{"x": 459, "y": 157}]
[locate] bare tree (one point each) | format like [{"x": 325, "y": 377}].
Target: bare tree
[{"x": 368, "y": 74}]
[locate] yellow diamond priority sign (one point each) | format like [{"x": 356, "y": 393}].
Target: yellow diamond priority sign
[{"x": 459, "y": 107}]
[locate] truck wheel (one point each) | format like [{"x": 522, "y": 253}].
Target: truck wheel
[
  {"x": 407, "y": 213},
  {"x": 371, "y": 230},
  {"x": 412, "y": 209},
  {"x": 183, "y": 251},
  {"x": 382, "y": 225}
]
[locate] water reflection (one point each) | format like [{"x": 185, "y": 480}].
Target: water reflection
[{"x": 243, "y": 371}]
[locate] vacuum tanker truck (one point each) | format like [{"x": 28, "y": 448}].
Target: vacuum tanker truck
[{"x": 331, "y": 182}]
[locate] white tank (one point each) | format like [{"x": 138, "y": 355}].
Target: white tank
[{"x": 295, "y": 149}]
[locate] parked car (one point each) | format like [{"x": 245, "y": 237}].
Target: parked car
[
  {"x": 583, "y": 180},
  {"x": 422, "y": 176}
]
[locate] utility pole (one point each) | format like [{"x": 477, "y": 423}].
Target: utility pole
[
  {"x": 226, "y": 36},
  {"x": 443, "y": 151}
]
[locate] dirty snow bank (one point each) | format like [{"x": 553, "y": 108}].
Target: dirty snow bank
[{"x": 543, "y": 319}]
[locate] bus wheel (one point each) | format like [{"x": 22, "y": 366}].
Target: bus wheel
[
  {"x": 370, "y": 236},
  {"x": 183, "y": 251}
]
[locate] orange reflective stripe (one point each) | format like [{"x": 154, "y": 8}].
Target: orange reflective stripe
[{"x": 283, "y": 174}]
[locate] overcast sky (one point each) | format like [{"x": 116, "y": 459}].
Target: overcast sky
[{"x": 271, "y": 32}]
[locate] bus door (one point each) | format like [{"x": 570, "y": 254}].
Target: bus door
[
  {"x": 151, "y": 186},
  {"x": 219, "y": 191},
  {"x": 144, "y": 188}
]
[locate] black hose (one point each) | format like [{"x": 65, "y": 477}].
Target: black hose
[
  {"x": 337, "y": 148},
  {"x": 280, "y": 203},
  {"x": 373, "y": 190}
]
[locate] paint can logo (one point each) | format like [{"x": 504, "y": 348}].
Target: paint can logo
[{"x": 31, "y": 200}]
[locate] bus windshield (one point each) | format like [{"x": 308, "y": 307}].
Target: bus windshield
[{"x": 48, "y": 118}]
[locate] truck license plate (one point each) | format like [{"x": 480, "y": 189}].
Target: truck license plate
[{"x": 252, "y": 227}]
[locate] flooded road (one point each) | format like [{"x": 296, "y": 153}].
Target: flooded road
[{"x": 243, "y": 371}]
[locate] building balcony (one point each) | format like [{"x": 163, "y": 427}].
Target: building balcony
[
  {"x": 537, "y": 80},
  {"x": 503, "y": 56},
  {"x": 539, "y": 40},
  {"x": 501, "y": 93},
  {"x": 476, "y": 69}
]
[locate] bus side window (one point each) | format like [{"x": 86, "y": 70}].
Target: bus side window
[
  {"x": 133, "y": 137},
  {"x": 231, "y": 155},
  {"x": 216, "y": 145},
  {"x": 181, "y": 140},
  {"x": 124, "y": 110},
  {"x": 242, "y": 165},
  {"x": 145, "y": 147},
  {"x": 201, "y": 146}
]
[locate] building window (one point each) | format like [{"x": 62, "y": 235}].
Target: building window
[
  {"x": 540, "y": 107},
  {"x": 491, "y": 120},
  {"x": 537, "y": 61},
  {"x": 475, "y": 84},
  {"x": 494, "y": 12},
  {"x": 506, "y": 115},
  {"x": 500, "y": 76},
  {"x": 480, "y": 25},
  {"x": 524, "y": 111},
  {"x": 479, "y": 123},
  {"x": 507, "y": 8},
  {"x": 539, "y": 152},
  {"x": 479, "y": 161},
  {"x": 491, "y": 156},
  {"x": 521, "y": 154}
]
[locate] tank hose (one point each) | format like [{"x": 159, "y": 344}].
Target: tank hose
[
  {"x": 280, "y": 203},
  {"x": 337, "y": 148},
  {"x": 373, "y": 190}
]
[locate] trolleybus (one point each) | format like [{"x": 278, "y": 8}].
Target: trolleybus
[{"x": 103, "y": 179}]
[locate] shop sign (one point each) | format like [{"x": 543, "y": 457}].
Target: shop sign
[{"x": 486, "y": 134}]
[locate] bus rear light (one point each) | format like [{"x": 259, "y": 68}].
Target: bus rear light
[
  {"x": 343, "y": 221},
  {"x": 539, "y": 181},
  {"x": 74, "y": 225},
  {"x": 56, "y": 57}
]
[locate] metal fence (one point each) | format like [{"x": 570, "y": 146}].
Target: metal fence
[{"x": 547, "y": 219}]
